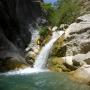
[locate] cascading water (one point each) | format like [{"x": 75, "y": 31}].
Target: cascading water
[
  {"x": 35, "y": 34},
  {"x": 41, "y": 59}
]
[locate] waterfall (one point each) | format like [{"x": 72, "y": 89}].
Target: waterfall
[
  {"x": 35, "y": 34},
  {"x": 41, "y": 59}
]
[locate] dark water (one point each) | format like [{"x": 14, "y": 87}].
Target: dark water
[{"x": 40, "y": 81}]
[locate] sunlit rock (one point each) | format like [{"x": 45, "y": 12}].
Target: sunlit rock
[
  {"x": 85, "y": 18},
  {"x": 36, "y": 49},
  {"x": 81, "y": 75},
  {"x": 77, "y": 40},
  {"x": 54, "y": 28},
  {"x": 68, "y": 60},
  {"x": 63, "y": 26}
]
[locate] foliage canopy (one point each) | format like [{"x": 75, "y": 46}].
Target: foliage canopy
[{"x": 64, "y": 12}]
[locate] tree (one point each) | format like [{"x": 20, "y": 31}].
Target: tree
[
  {"x": 64, "y": 12},
  {"x": 51, "y": 14}
]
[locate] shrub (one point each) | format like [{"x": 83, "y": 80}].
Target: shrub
[
  {"x": 68, "y": 11},
  {"x": 43, "y": 31},
  {"x": 51, "y": 14},
  {"x": 64, "y": 11}
]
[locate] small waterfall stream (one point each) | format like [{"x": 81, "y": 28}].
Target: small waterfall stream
[{"x": 41, "y": 59}]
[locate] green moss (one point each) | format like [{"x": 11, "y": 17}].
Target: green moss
[
  {"x": 58, "y": 50},
  {"x": 57, "y": 64}
]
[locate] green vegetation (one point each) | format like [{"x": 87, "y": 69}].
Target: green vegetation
[
  {"x": 51, "y": 14},
  {"x": 69, "y": 10},
  {"x": 65, "y": 11},
  {"x": 43, "y": 31},
  {"x": 45, "y": 34}
]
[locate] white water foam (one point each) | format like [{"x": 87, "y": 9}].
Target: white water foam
[{"x": 24, "y": 71}]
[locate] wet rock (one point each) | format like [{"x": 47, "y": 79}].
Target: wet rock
[
  {"x": 31, "y": 55},
  {"x": 8, "y": 64}
]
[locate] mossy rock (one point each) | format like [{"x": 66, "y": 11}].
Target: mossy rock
[
  {"x": 47, "y": 39},
  {"x": 57, "y": 49},
  {"x": 57, "y": 64}
]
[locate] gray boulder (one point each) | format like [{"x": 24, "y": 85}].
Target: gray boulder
[{"x": 77, "y": 41}]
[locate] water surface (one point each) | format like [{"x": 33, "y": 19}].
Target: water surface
[{"x": 40, "y": 81}]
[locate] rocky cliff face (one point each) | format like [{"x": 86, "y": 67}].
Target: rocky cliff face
[
  {"x": 78, "y": 40},
  {"x": 74, "y": 50},
  {"x": 15, "y": 17},
  {"x": 75, "y": 44}
]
